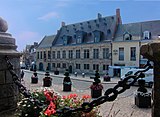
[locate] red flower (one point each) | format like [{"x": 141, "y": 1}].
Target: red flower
[
  {"x": 48, "y": 95},
  {"x": 72, "y": 96},
  {"x": 86, "y": 96},
  {"x": 51, "y": 109}
]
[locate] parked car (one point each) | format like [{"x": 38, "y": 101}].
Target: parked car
[
  {"x": 22, "y": 65},
  {"x": 148, "y": 76}
]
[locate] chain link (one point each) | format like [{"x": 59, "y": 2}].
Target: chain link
[
  {"x": 109, "y": 95},
  {"x": 22, "y": 89}
]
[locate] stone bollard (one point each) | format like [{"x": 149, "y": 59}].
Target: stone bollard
[
  {"x": 142, "y": 97},
  {"x": 67, "y": 84},
  {"x": 34, "y": 78},
  {"x": 8, "y": 90},
  {"x": 151, "y": 51}
]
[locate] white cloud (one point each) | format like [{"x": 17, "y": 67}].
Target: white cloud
[{"x": 49, "y": 16}]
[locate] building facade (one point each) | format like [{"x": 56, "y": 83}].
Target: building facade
[
  {"x": 29, "y": 54},
  {"x": 97, "y": 44},
  {"x": 83, "y": 47}
]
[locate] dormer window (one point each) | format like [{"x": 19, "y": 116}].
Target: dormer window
[
  {"x": 89, "y": 26},
  {"x": 97, "y": 25},
  {"x": 97, "y": 35},
  {"x": 65, "y": 40},
  {"x": 146, "y": 35},
  {"x": 79, "y": 39},
  {"x": 127, "y": 36},
  {"x": 80, "y": 35}
]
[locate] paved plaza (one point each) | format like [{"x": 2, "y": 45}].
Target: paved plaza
[{"x": 123, "y": 106}]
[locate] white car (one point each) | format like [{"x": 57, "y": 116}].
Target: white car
[{"x": 148, "y": 76}]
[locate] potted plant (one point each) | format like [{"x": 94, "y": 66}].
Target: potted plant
[
  {"x": 52, "y": 101},
  {"x": 106, "y": 77},
  {"x": 34, "y": 78},
  {"x": 47, "y": 80},
  {"x": 67, "y": 84},
  {"x": 96, "y": 87},
  {"x": 56, "y": 72},
  {"x": 142, "y": 96}
]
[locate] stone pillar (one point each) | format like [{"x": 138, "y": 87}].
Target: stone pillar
[
  {"x": 152, "y": 52},
  {"x": 8, "y": 90}
]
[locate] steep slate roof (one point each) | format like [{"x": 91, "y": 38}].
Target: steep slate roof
[
  {"x": 137, "y": 29},
  {"x": 46, "y": 41},
  {"x": 102, "y": 24}
]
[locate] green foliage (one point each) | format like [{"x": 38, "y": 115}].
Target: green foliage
[{"x": 51, "y": 102}]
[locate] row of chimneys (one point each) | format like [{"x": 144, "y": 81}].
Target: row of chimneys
[{"x": 100, "y": 16}]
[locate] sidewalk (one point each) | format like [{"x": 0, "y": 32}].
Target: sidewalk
[
  {"x": 123, "y": 106},
  {"x": 79, "y": 77}
]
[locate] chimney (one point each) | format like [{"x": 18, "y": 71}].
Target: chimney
[
  {"x": 63, "y": 24},
  {"x": 118, "y": 16},
  {"x": 99, "y": 16}
]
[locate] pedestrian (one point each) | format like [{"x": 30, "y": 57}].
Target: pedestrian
[{"x": 22, "y": 75}]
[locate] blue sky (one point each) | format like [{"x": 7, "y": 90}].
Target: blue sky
[{"x": 30, "y": 20}]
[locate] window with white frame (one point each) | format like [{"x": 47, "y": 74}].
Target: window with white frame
[
  {"x": 44, "y": 54},
  {"x": 63, "y": 54},
  {"x": 58, "y": 54},
  {"x": 146, "y": 35},
  {"x": 86, "y": 53},
  {"x": 49, "y": 54},
  {"x": 78, "y": 54},
  {"x": 95, "y": 67},
  {"x": 133, "y": 53},
  {"x": 70, "y": 54},
  {"x": 78, "y": 66},
  {"x": 41, "y": 55},
  {"x": 105, "y": 67},
  {"x": 105, "y": 53},
  {"x": 86, "y": 66},
  {"x": 95, "y": 53},
  {"x": 53, "y": 65},
  {"x": 58, "y": 65},
  {"x": 121, "y": 54},
  {"x": 64, "y": 65},
  {"x": 53, "y": 54}
]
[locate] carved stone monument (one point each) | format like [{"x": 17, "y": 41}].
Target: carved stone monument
[
  {"x": 8, "y": 90},
  {"x": 152, "y": 52}
]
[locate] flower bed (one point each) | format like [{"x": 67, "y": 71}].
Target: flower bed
[{"x": 51, "y": 102}]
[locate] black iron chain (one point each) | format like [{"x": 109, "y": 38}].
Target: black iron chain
[
  {"x": 22, "y": 89},
  {"x": 109, "y": 95}
]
